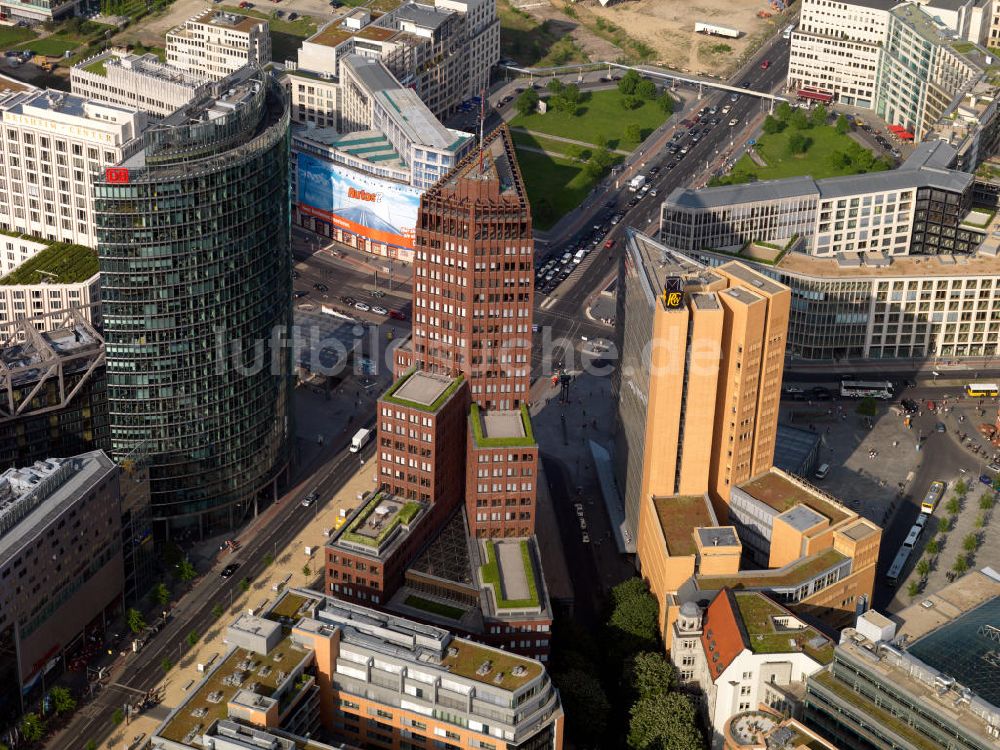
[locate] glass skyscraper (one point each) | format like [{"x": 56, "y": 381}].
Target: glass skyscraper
[{"x": 193, "y": 238}]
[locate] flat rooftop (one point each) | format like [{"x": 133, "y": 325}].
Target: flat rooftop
[
  {"x": 810, "y": 266},
  {"x": 56, "y": 264},
  {"x": 331, "y": 35},
  {"x": 230, "y": 20},
  {"x": 860, "y": 530},
  {"x": 752, "y": 278},
  {"x": 503, "y": 424},
  {"x": 780, "y": 493},
  {"x": 802, "y": 518},
  {"x": 379, "y": 524},
  {"x": 423, "y": 388},
  {"x": 659, "y": 263},
  {"x": 501, "y": 428},
  {"x": 679, "y": 515},
  {"x": 793, "y": 574},
  {"x": 928, "y": 613},
  {"x": 773, "y": 629},
  {"x": 510, "y": 572},
  {"x": 718, "y": 536}
]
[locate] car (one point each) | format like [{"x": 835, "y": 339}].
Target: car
[
  {"x": 585, "y": 538},
  {"x": 713, "y": 110},
  {"x": 608, "y": 244},
  {"x": 300, "y": 293},
  {"x": 652, "y": 192},
  {"x": 671, "y": 165},
  {"x": 278, "y": 13},
  {"x": 605, "y": 79},
  {"x": 579, "y": 512},
  {"x": 746, "y": 83},
  {"x": 939, "y": 427},
  {"x": 292, "y": 16},
  {"x": 645, "y": 188},
  {"x": 307, "y": 501},
  {"x": 734, "y": 122},
  {"x": 714, "y": 121},
  {"x": 348, "y": 300},
  {"x": 986, "y": 479},
  {"x": 727, "y": 109},
  {"x": 734, "y": 98},
  {"x": 228, "y": 571},
  {"x": 765, "y": 65},
  {"x": 994, "y": 467},
  {"x": 685, "y": 149},
  {"x": 578, "y": 506},
  {"x": 379, "y": 310},
  {"x": 583, "y": 523},
  {"x": 378, "y": 293},
  {"x": 319, "y": 287},
  {"x": 361, "y": 306}
]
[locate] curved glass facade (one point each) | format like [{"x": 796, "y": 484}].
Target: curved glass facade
[{"x": 196, "y": 287}]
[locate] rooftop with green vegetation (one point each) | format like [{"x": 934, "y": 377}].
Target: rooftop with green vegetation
[
  {"x": 679, "y": 515},
  {"x": 781, "y": 493},
  {"x": 422, "y": 390},
  {"x": 287, "y": 609},
  {"x": 502, "y": 429},
  {"x": 97, "y": 66},
  {"x": 59, "y": 263},
  {"x": 466, "y": 659},
  {"x": 503, "y": 581},
  {"x": 773, "y": 630},
  {"x": 796, "y": 573},
  {"x": 376, "y": 523}
]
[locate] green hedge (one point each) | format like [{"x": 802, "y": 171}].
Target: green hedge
[
  {"x": 490, "y": 573},
  {"x": 438, "y": 402},
  {"x": 505, "y": 442}
]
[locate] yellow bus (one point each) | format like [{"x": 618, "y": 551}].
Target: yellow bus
[
  {"x": 934, "y": 494},
  {"x": 982, "y": 389}
]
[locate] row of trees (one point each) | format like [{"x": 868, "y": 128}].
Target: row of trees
[{"x": 624, "y": 682}]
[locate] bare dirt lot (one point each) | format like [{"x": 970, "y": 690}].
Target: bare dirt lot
[{"x": 668, "y": 27}]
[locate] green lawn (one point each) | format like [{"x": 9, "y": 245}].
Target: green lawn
[
  {"x": 555, "y": 185},
  {"x": 10, "y": 35},
  {"x": 530, "y": 43},
  {"x": 600, "y": 114},
  {"x": 53, "y": 46},
  {"x": 815, "y": 162}
]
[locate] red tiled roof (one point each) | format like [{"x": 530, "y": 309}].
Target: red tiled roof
[{"x": 723, "y": 635}]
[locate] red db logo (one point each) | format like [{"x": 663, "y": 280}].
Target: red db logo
[{"x": 116, "y": 174}]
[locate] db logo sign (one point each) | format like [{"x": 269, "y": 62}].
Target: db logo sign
[{"x": 116, "y": 174}]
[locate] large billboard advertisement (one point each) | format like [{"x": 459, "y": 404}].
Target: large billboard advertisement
[{"x": 358, "y": 203}]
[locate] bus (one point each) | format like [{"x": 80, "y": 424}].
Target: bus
[
  {"x": 934, "y": 494},
  {"x": 913, "y": 536},
  {"x": 863, "y": 388},
  {"x": 787, "y": 33},
  {"x": 982, "y": 389},
  {"x": 896, "y": 569}
]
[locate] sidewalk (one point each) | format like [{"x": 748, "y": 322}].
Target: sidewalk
[{"x": 289, "y": 562}]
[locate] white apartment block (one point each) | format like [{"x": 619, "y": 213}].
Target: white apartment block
[
  {"x": 142, "y": 82},
  {"x": 837, "y": 46},
  {"x": 214, "y": 44},
  {"x": 35, "y": 291},
  {"x": 52, "y": 147}
]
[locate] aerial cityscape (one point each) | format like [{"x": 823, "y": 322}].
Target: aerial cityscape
[{"x": 499, "y": 374}]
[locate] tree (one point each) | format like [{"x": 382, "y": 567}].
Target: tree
[
  {"x": 953, "y": 506},
  {"x": 192, "y": 638},
  {"x": 944, "y": 525},
  {"x": 799, "y": 120},
  {"x": 980, "y": 521},
  {"x": 585, "y": 704},
  {"x": 645, "y": 89},
  {"x": 166, "y": 665},
  {"x": 631, "y": 102},
  {"x": 868, "y": 406},
  {"x": 527, "y": 102},
  {"x": 970, "y": 542},
  {"x": 843, "y": 125},
  {"x": 633, "y": 620},
  {"x": 961, "y": 564},
  {"x": 629, "y": 83},
  {"x": 161, "y": 594},
  {"x": 186, "y": 571},
  {"x": 913, "y": 590},
  {"x": 62, "y": 700},
  {"x": 797, "y": 144},
  {"x": 633, "y": 132},
  {"x": 217, "y": 611},
  {"x": 556, "y": 86},
  {"x": 986, "y": 502},
  {"x": 664, "y": 722},
  {"x": 572, "y": 94},
  {"x": 651, "y": 675},
  {"x": 773, "y": 125},
  {"x": 117, "y": 717},
  {"x": 32, "y": 727},
  {"x": 244, "y": 584},
  {"x": 923, "y": 567},
  {"x": 135, "y": 620},
  {"x": 961, "y": 487},
  {"x": 840, "y": 160},
  {"x": 601, "y": 140},
  {"x": 783, "y": 111},
  {"x": 819, "y": 115},
  {"x": 91, "y": 745},
  {"x": 665, "y": 103},
  {"x": 306, "y": 571},
  {"x": 933, "y": 547},
  {"x": 268, "y": 559}
]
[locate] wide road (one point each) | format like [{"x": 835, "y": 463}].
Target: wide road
[{"x": 275, "y": 530}]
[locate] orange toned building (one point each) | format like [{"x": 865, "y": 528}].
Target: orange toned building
[{"x": 314, "y": 668}]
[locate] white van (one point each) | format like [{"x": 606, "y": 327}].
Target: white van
[{"x": 822, "y": 471}]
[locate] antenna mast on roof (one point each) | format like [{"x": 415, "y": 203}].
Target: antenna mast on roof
[{"x": 482, "y": 116}]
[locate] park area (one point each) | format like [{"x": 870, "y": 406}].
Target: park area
[
  {"x": 564, "y": 152},
  {"x": 797, "y": 143}
]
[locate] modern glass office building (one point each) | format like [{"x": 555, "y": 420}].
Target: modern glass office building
[{"x": 193, "y": 238}]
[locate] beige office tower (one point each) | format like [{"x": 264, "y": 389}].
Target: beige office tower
[{"x": 700, "y": 378}]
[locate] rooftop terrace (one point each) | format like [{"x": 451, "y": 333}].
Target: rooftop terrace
[
  {"x": 502, "y": 429},
  {"x": 679, "y": 515},
  {"x": 773, "y": 630},
  {"x": 509, "y": 571},
  {"x": 782, "y": 494},
  {"x": 374, "y": 524},
  {"x": 422, "y": 390},
  {"x": 508, "y": 671}
]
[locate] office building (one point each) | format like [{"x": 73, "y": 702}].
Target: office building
[
  {"x": 55, "y": 146},
  {"x": 909, "y": 62},
  {"x": 38, "y": 12},
  {"x": 40, "y": 277},
  {"x": 347, "y": 676},
  {"x": 381, "y": 140},
  {"x": 189, "y": 294},
  {"x": 698, "y": 390},
  {"x": 744, "y": 651},
  {"x": 892, "y": 265},
  {"x": 61, "y": 573},
  {"x": 138, "y": 81},
  {"x": 215, "y": 43},
  {"x": 53, "y": 390},
  {"x": 923, "y": 679}
]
